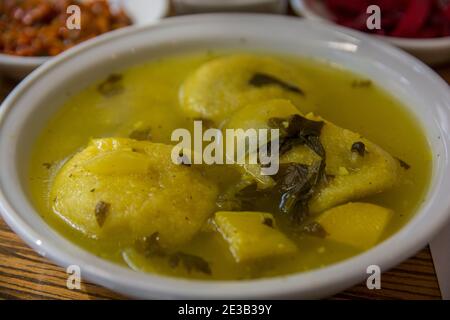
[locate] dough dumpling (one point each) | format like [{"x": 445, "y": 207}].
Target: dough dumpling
[
  {"x": 351, "y": 176},
  {"x": 128, "y": 189},
  {"x": 221, "y": 86}
]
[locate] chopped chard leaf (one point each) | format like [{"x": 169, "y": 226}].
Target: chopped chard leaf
[
  {"x": 47, "y": 165},
  {"x": 261, "y": 80},
  {"x": 315, "y": 229},
  {"x": 296, "y": 183},
  {"x": 190, "y": 262},
  {"x": 101, "y": 212},
  {"x": 207, "y": 123},
  {"x": 403, "y": 164},
  {"x": 297, "y": 130},
  {"x": 150, "y": 246},
  {"x": 359, "y": 147},
  {"x": 361, "y": 84},
  {"x": 111, "y": 86},
  {"x": 268, "y": 222},
  {"x": 141, "y": 134}
]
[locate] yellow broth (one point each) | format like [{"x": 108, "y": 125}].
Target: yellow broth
[{"x": 151, "y": 99}]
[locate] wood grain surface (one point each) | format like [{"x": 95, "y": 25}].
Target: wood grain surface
[{"x": 26, "y": 275}]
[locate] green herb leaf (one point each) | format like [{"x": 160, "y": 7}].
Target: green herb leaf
[
  {"x": 268, "y": 222},
  {"x": 101, "y": 212},
  {"x": 112, "y": 86},
  {"x": 47, "y": 165},
  {"x": 261, "y": 80},
  {"x": 297, "y": 130},
  {"x": 296, "y": 184},
  {"x": 403, "y": 164},
  {"x": 359, "y": 147},
  {"x": 150, "y": 246},
  {"x": 315, "y": 229},
  {"x": 361, "y": 83},
  {"x": 141, "y": 134},
  {"x": 190, "y": 262}
]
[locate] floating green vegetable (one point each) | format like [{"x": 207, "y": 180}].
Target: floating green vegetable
[
  {"x": 361, "y": 84},
  {"x": 47, "y": 165},
  {"x": 403, "y": 164},
  {"x": 268, "y": 222},
  {"x": 315, "y": 229},
  {"x": 190, "y": 262},
  {"x": 151, "y": 247},
  {"x": 297, "y": 130},
  {"x": 261, "y": 80},
  {"x": 359, "y": 147},
  {"x": 296, "y": 184},
  {"x": 141, "y": 134},
  {"x": 111, "y": 86},
  {"x": 101, "y": 212}
]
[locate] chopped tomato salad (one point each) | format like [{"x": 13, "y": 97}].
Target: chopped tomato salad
[{"x": 38, "y": 27}]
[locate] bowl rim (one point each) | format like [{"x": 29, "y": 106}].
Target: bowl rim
[
  {"x": 300, "y": 7},
  {"x": 311, "y": 284}
]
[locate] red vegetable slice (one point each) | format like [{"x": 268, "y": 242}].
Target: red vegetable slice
[
  {"x": 387, "y": 6},
  {"x": 345, "y": 7},
  {"x": 358, "y": 23},
  {"x": 446, "y": 12},
  {"x": 414, "y": 18}
]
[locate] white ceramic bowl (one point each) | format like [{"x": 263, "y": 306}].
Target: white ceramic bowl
[
  {"x": 26, "y": 111},
  {"x": 432, "y": 51},
  {"x": 141, "y": 12}
]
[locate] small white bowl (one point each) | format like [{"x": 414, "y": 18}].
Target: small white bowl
[
  {"x": 141, "y": 12},
  {"x": 432, "y": 51},
  {"x": 27, "y": 109}
]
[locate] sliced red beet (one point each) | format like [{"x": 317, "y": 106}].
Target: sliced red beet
[
  {"x": 446, "y": 11},
  {"x": 387, "y": 6},
  {"x": 358, "y": 23},
  {"x": 413, "y": 19},
  {"x": 346, "y": 7}
]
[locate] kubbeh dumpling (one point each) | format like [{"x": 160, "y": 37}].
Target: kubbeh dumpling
[
  {"x": 128, "y": 189},
  {"x": 221, "y": 86},
  {"x": 352, "y": 175}
]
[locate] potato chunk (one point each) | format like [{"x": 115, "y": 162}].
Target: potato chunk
[
  {"x": 221, "y": 86},
  {"x": 359, "y": 225},
  {"x": 252, "y": 235},
  {"x": 128, "y": 189}
]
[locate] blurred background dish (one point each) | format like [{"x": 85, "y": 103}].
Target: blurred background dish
[
  {"x": 34, "y": 30},
  {"x": 201, "y": 6},
  {"x": 421, "y": 27}
]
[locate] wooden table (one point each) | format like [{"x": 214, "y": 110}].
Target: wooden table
[{"x": 26, "y": 275}]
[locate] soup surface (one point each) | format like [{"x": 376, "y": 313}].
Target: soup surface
[{"x": 101, "y": 172}]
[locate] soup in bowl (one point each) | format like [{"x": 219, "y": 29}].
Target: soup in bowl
[{"x": 140, "y": 166}]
